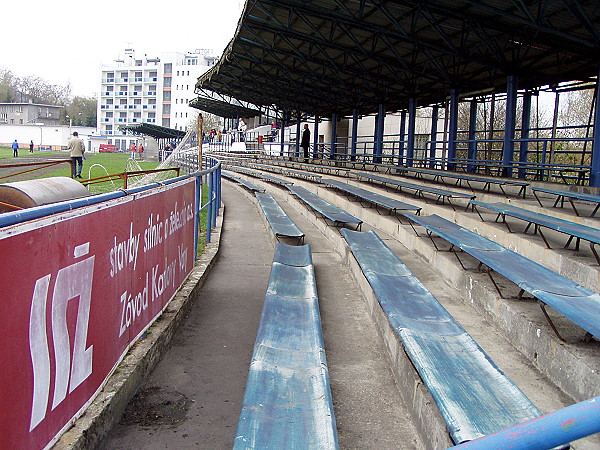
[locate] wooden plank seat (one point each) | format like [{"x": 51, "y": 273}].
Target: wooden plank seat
[
  {"x": 287, "y": 402},
  {"x": 279, "y": 221},
  {"x": 388, "y": 203},
  {"x": 575, "y": 231},
  {"x": 442, "y": 195},
  {"x": 309, "y": 176},
  {"x": 473, "y": 395},
  {"x": 569, "y": 196},
  {"x": 337, "y": 216},
  {"x": 575, "y": 302},
  {"x": 439, "y": 176}
]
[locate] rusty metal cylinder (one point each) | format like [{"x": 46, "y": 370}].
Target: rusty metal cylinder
[{"x": 26, "y": 194}]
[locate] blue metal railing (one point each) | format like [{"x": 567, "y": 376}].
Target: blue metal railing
[
  {"x": 213, "y": 171},
  {"x": 548, "y": 431}
]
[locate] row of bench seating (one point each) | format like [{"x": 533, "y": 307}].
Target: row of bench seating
[
  {"x": 279, "y": 221},
  {"x": 287, "y": 402},
  {"x": 573, "y": 230},
  {"x": 577, "y": 303},
  {"x": 473, "y": 395},
  {"x": 417, "y": 317},
  {"x": 335, "y": 215}
]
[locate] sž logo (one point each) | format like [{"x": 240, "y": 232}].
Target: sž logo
[{"x": 73, "y": 282}]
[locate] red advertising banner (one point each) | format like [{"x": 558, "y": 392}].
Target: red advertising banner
[{"x": 77, "y": 289}]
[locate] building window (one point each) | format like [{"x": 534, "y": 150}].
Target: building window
[
  {"x": 109, "y": 101},
  {"x": 166, "y": 96},
  {"x": 167, "y": 82},
  {"x": 168, "y": 70},
  {"x": 122, "y": 101}
]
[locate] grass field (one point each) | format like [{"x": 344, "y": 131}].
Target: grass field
[{"x": 94, "y": 166}]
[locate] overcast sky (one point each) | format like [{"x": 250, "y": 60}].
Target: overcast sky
[{"x": 67, "y": 41}]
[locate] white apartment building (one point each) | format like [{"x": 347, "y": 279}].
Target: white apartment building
[{"x": 136, "y": 90}]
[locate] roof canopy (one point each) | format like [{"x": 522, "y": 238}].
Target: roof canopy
[
  {"x": 222, "y": 108},
  {"x": 331, "y": 56},
  {"x": 155, "y": 131}
]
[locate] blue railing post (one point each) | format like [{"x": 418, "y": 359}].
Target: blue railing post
[
  {"x": 434, "y": 124},
  {"x": 452, "y": 128},
  {"x": 472, "y": 151},
  {"x": 209, "y": 209},
  {"x": 509, "y": 129},
  {"x": 197, "y": 218}
]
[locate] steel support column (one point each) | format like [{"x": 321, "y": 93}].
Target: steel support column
[
  {"x": 354, "y": 134},
  {"x": 402, "y": 143},
  {"x": 333, "y": 150},
  {"x": 282, "y": 136},
  {"x": 435, "y": 111},
  {"x": 316, "y": 138},
  {"x": 510, "y": 124},
  {"x": 298, "y": 137},
  {"x": 412, "y": 116},
  {"x": 472, "y": 152},
  {"x": 526, "y": 125},
  {"x": 595, "y": 171},
  {"x": 452, "y": 128},
  {"x": 379, "y": 126}
]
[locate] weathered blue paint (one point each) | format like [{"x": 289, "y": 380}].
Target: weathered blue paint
[
  {"x": 279, "y": 221},
  {"x": 287, "y": 403},
  {"x": 434, "y": 124},
  {"x": 473, "y": 395},
  {"x": 354, "y": 134},
  {"x": 548, "y": 431},
  {"x": 572, "y": 300},
  {"x": 327, "y": 210},
  {"x": 380, "y": 200},
  {"x": 525, "y": 126}
]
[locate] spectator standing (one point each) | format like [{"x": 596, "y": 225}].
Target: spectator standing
[
  {"x": 133, "y": 149},
  {"x": 15, "y": 147},
  {"x": 305, "y": 143},
  {"x": 141, "y": 151},
  {"x": 77, "y": 149},
  {"x": 31, "y": 147}
]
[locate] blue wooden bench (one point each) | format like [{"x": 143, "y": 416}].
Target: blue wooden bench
[
  {"x": 473, "y": 395},
  {"x": 287, "y": 403},
  {"x": 440, "y": 175},
  {"x": 577, "y": 303},
  {"x": 442, "y": 195},
  {"x": 247, "y": 184},
  {"x": 337, "y": 216},
  {"x": 309, "y": 176},
  {"x": 279, "y": 221},
  {"x": 388, "y": 203},
  {"x": 570, "y": 196},
  {"x": 573, "y": 230}
]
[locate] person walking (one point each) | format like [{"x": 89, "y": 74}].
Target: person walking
[
  {"x": 15, "y": 147},
  {"x": 31, "y": 147},
  {"x": 141, "y": 151},
  {"x": 305, "y": 143},
  {"x": 77, "y": 149}
]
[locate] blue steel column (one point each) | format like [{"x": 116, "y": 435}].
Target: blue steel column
[
  {"x": 472, "y": 152},
  {"x": 434, "y": 123},
  {"x": 526, "y": 121},
  {"x": 379, "y": 127},
  {"x": 316, "y": 138},
  {"x": 509, "y": 129},
  {"x": 298, "y": 136},
  {"x": 452, "y": 128},
  {"x": 412, "y": 115},
  {"x": 282, "y": 136},
  {"x": 402, "y": 143},
  {"x": 354, "y": 133},
  {"x": 595, "y": 171},
  {"x": 333, "y": 150}
]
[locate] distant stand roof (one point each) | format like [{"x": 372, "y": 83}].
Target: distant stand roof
[
  {"x": 155, "y": 131},
  {"x": 223, "y": 109},
  {"x": 331, "y": 56}
]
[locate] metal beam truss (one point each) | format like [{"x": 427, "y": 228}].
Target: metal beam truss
[{"x": 333, "y": 56}]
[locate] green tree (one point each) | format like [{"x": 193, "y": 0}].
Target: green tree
[{"x": 82, "y": 111}]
